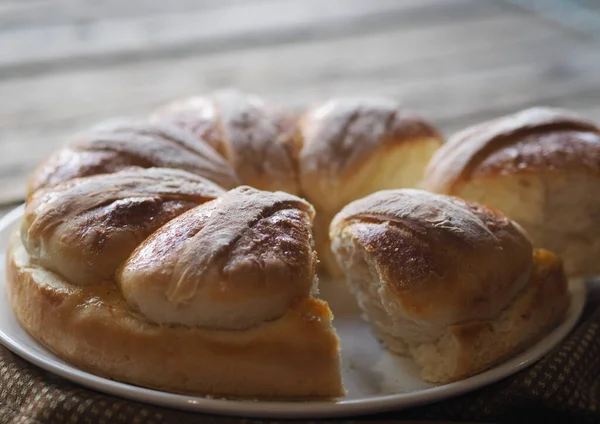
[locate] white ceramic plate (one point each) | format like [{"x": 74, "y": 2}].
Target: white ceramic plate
[{"x": 376, "y": 380}]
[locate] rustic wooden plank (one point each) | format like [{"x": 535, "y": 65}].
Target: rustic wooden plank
[
  {"x": 51, "y": 108},
  {"x": 135, "y": 88},
  {"x": 578, "y": 16},
  {"x": 13, "y": 194},
  {"x": 4, "y": 209},
  {"x": 43, "y": 13},
  {"x": 97, "y": 43},
  {"x": 65, "y": 99},
  {"x": 439, "y": 88}
]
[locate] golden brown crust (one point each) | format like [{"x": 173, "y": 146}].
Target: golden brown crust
[
  {"x": 445, "y": 260},
  {"x": 249, "y": 252},
  {"x": 258, "y": 138},
  {"x": 340, "y": 135},
  {"x": 295, "y": 356},
  {"x": 539, "y": 308},
  {"x": 86, "y": 227},
  {"x": 454, "y": 284},
  {"x": 528, "y": 141},
  {"x": 125, "y": 144}
]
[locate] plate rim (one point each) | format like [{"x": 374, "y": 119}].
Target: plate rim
[{"x": 297, "y": 409}]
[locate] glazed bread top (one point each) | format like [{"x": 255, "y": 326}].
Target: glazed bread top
[
  {"x": 83, "y": 229},
  {"x": 344, "y": 136},
  {"x": 123, "y": 144},
  {"x": 528, "y": 141},
  {"x": 440, "y": 260},
  {"x": 231, "y": 263},
  {"x": 258, "y": 138}
]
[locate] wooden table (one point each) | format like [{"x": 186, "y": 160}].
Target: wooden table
[{"x": 67, "y": 65}]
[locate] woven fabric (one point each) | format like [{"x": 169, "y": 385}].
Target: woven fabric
[{"x": 562, "y": 387}]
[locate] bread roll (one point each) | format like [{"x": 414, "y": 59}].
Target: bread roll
[
  {"x": 257, "y": 137},
  {"x": 354, "y": 147},
  {"x": 218, "y": 301},
  {"x": 85, "y": 228},
  {"x": 122, "y": 144},
  {"x": 455, "y": 285},
  {"x": 235, "y": 263},
  {"x": 541, "y": 167}
]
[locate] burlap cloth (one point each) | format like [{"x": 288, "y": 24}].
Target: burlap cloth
[{"x": 563, "y": 387}]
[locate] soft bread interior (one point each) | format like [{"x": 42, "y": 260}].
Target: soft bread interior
[
  {"x": 395, "y": 167},
  {"x": 559, "y": 210},
  {"x": 448, "y": 353},
  {"x": 394, "y": 328},
  {"x": 401, "y": 167}
]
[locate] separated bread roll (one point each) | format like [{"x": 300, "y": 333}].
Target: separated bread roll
[
  {"x": 455, "y": 285},
  {"x": 257, "y": 137},
  {"x": 541, "y": 167},
  {"x": 124, "y": 144},
  {"x": 354, "y": 147},
  {"x": 219, "y": 299}
]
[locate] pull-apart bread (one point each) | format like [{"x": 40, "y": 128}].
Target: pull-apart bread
[
  {"x": 257, "y": 137},
  {"x": 354, "y": 147},
  {"x": 334, "y": 153},
  {"x": 133, "y": 257},
  {"x": 124, "y": 144},
  {"x": 541, "y": 167},
  {"x": 160, "y": 278},
  {"x": 453, "y": 284}
]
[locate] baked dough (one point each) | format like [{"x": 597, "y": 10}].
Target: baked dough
[
  {"x": 134, "y": 262},
  {"x": 455, "y": 285},
  {"x": 541, "y": 167},
  {"x": 85, "y": 228},
  {"x": 122, "y": 143},
  {"x": 218, "y": 301},
  {"x": 257, "y": 137},
  {"x": 354, "y": 147}
]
